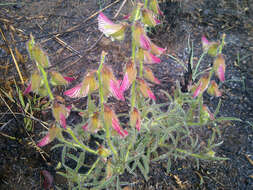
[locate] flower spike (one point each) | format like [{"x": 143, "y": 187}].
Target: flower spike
[
  {"x": 116, "y": 31},
  {"x": 35, "y": 83}
]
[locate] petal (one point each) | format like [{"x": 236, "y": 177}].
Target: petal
[
  {"x": 44, "y": 141},
  {"x": 116, "y": 126},
  {"x": 157, "y": 50},
  {"x": 135, "y": 119},
  {"x": 85, "y": 127},
  {"x": 197, "y": 90},
  {"x": 76, "y": 91},
  {"x": 69, "y": 79},
  {"x": 28, "y": 89},
  {"x": 106, "y": 26},
  {"x": 63, "y": 120},
  {"x": 48, "y": 179},
  {"x": 205, "y": 43},
  {"x": 220, "y": 67},
  {"x": 145, "y": 90},
  {"x": 116, "y": 91},
  {"x": 144, "y": 42},
  {"x": 221, "y": 73},
  {"x": 148, "y": 74},
  {"x": 149, "y": 58},
  {"x": 125, "y": 84}
]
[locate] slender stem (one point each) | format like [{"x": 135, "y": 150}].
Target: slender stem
[
  {"x": 91, "y": 169},
  {"x": 197, "y": 66},
  {"x": 222, "y": 43},
  {"x": 146, "y": 4},
  {"x": 46, "y": 82},
  {"x": 79, "y": 143},
  {"x": 133, "y": 95}
]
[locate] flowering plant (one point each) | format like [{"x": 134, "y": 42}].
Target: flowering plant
[{"x": 131, "y": 140}]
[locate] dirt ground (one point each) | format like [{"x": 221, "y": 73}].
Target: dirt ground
[{"x": 68, "y": 32}]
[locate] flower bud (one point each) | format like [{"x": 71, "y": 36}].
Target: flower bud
[{"x": 220, "y": 67}]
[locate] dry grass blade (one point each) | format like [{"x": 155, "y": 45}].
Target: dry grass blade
[{"x": 13, "y": 57}]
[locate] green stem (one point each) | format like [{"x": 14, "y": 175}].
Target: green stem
[
  {"x": 222, "y": 43},
  {"x": 197, "y": 66},
  {"x": 46, "y": 82},
  {"x": 91, "y": 169},
  {"x": 146, "y": 4},
  {"x": 79, "y": 143}
]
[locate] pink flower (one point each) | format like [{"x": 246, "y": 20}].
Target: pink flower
[
  {"x": 129, "y": 77},
  {"x": 88, "y": 85},
  {"x": 201, "y": 86},
  {"x": 145, "y": 90},
  {"x": 135, "y": 119},
  {"x": 157, "y": 50},
  {"x": 220, "y": 67},
  {"x": 58, "y": 79},
  {"x": 112, "y": 121},
  {"x": 111, "y": 84},
  {"x": 53, "y": 132},
  {"x": 213, "y": 89},
  {"x": 116, "y": 90},
  {"x": 149, "y": 58},
  {"x": 209, "y": 47},
  {"x": 94, "y": 124},
  {"x": 116, "y": 126},
  {"x": 148, "y": 74},
  {"x": 44, "y": 141},
  {"x": 35, "y": 83},
  {"x": 140, "y": 37},
  {"x": 60, "y": 113},
  {"x": 109, "y": 28},
  {"x": 149, "y": 18}
]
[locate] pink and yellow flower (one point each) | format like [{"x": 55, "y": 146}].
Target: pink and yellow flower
[
  {"x": 52, "y": 133},
  {"x": 148, "y": 74},
  {"x": 209, "y": 47},
  {"x": 88, "y": 85},
  {"x": 140, "y": 37},
  {"x": 116, "y": 31},
  {"x": 129, "y": 77},
  {"x": 111, "y": 84},
  {"x": 94, "y": 124},
  {"x": 149, "y": 18},
  {"x": 201, "y": 86},
  {"x": 60, "y": 113},
  {"x": 58, "y": 79},
  {"x": 135, "y": 119},
  {"x": 220, "y": 67},
  {"x": 213, "y": 89},
  {"x": 112, "y": 121},
  {"x": 35, "y": 83},
  {"x": 145, "y": 90}
]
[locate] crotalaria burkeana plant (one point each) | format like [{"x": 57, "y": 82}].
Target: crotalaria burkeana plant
[{"x": 125, "y": 142}]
